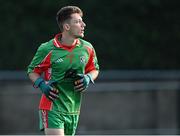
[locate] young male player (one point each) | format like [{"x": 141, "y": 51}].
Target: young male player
[{"x": 63, "y": 68}]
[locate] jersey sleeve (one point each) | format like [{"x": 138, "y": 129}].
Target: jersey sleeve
[
  {"x": 41, "y": 61},
  {"x": 92, "y": 62}
]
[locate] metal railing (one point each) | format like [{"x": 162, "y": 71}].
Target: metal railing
[{"x": 116, "y": 80}]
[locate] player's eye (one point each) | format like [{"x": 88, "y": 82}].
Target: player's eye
[{"x": 78, "y": 21}]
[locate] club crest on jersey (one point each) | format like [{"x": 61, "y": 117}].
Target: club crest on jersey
[{"x": 82, "y": 59}]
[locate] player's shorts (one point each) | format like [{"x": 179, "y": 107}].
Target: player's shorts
[{"x": 52, "y": 119}]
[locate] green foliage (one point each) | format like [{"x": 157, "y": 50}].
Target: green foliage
[{"x": 126, "y": 34}]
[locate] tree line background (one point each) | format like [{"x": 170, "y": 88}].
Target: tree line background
[{"x": 127, "y": 34}]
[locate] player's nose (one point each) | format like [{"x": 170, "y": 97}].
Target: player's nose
[{"x": 83, "y": 24}]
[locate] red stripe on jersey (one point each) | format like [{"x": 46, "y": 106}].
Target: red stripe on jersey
[
  {"x": 45, "y": 66},
  {"x": 90, "y": 65},
  {"x": 69, "y": 48},
  {"x": 45, "y": 103}
]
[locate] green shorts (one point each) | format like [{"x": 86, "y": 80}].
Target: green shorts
[{"x": 52, "y": 119}]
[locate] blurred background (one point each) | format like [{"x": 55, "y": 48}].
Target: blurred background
[{"x": 137, "y": 45}]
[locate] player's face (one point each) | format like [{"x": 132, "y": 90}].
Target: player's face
[{"x": 76, "y": 26}]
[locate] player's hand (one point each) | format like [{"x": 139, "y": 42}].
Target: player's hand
[
  {"x": 48, "y": 89},
  {"x": 82, "y": 82}
]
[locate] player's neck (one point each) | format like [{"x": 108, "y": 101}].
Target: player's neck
[{"x": 67, "y": 40}]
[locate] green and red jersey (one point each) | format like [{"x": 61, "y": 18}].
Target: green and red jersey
[{"x": 52, "y": 60}]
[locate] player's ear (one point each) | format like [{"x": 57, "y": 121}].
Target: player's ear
[{"x": 66, "y": 26}]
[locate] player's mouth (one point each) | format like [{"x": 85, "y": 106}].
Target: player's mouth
[{"x": 82, "y": 31}]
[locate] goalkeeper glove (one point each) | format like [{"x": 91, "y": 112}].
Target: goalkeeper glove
[
  {"x": 48, "y": 89},
  {"x": 82, "y": 82}
]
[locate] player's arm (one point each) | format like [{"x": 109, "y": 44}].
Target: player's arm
[
  {"x": 39, "y": 65},
  {"x": 91, "y": 73},
  {"x": 33, "y": 76},
  {"x": 94, "y": 74}
]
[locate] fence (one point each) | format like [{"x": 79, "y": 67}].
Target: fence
[{"x": 121, "y": 102}]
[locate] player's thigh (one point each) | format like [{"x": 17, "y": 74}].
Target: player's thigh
[
  {"x": 71, "y": 124},
  {"x": 54, "y": 131},
  {"x": 51, "y": 120}
]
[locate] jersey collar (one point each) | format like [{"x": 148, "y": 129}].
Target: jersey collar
[{"x": 57, "y": 43}]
